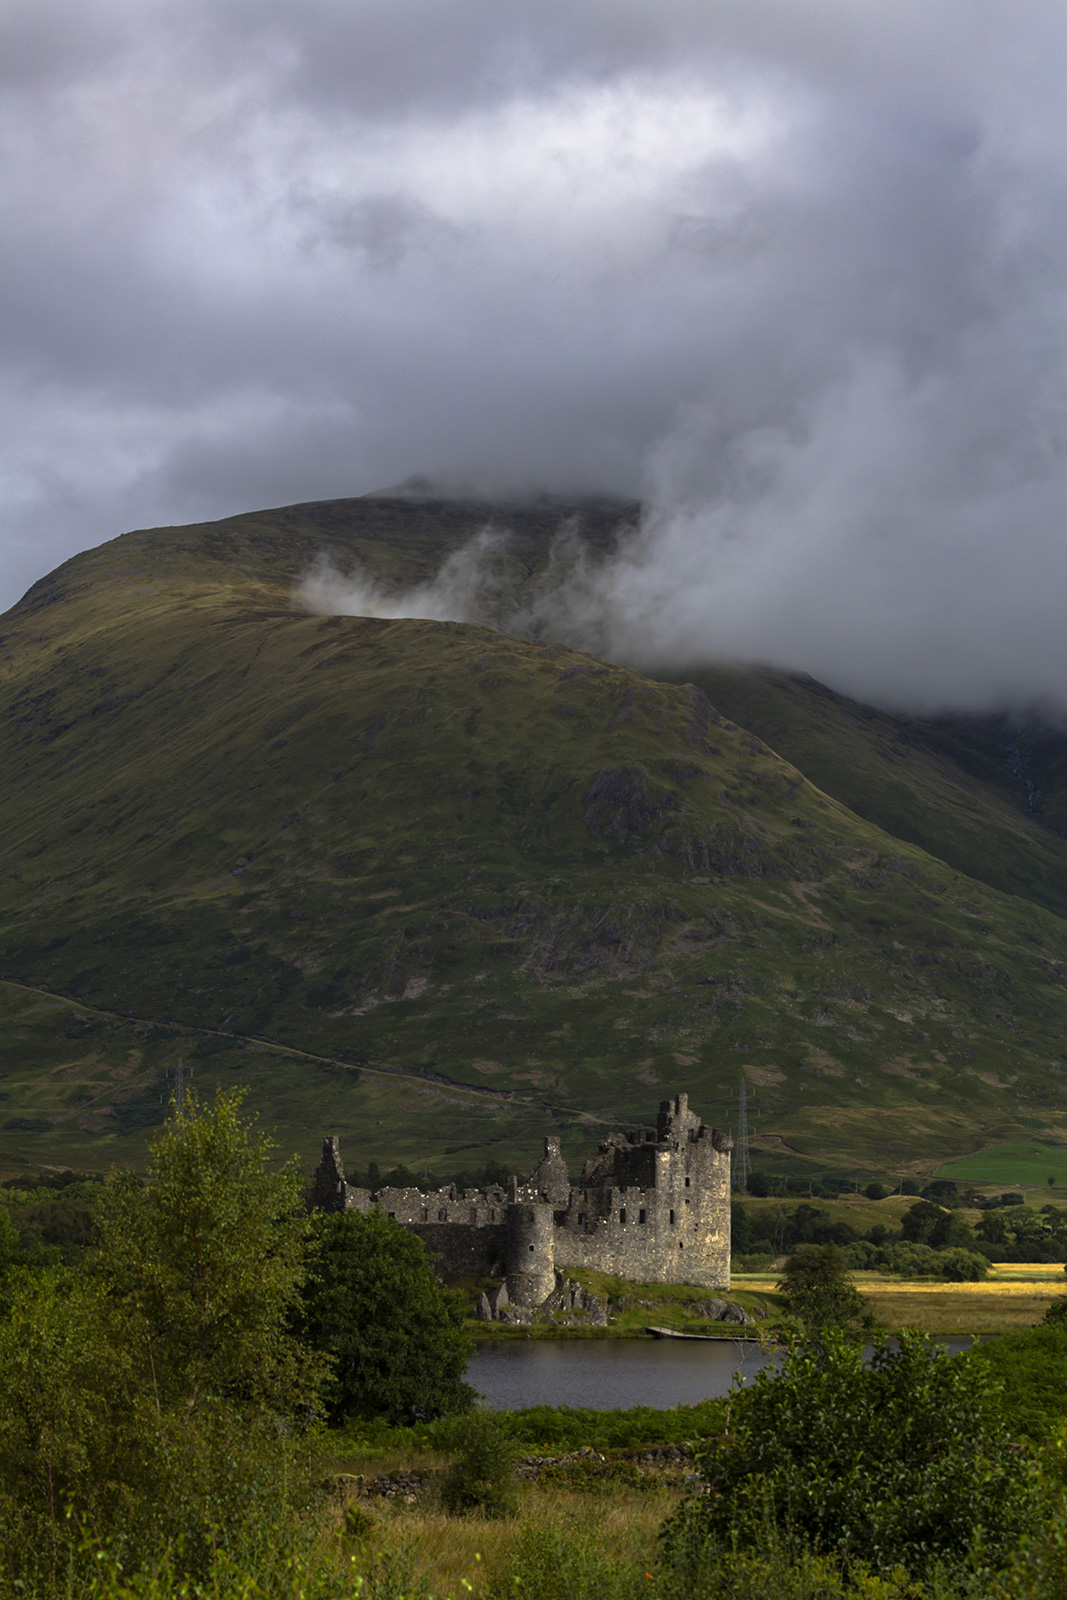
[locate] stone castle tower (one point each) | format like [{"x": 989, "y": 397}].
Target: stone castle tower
[{"x": 651, "y": 1206}]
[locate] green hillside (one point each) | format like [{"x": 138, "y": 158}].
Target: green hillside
[
  {"x": 974, "y": 792},
  {"x": 437, "y": 889}
]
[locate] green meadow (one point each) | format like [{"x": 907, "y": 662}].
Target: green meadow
[{"x": 1027, "y": 1165}]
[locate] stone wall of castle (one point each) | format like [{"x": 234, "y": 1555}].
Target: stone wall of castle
[
  {"x": 654, "y": 1208},
  {"x": 651, "y": 1206}
]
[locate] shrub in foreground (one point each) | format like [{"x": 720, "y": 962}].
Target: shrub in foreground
[
  {"x": 482, "y": 1477},
  {"x": 1032, "y": 1367},
  {"x": 905, "y": 1460}
]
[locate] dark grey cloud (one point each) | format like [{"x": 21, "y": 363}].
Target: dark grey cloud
[{"x": 794, "y": 271}]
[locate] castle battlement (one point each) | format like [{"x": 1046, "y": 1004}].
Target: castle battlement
[{"x": 652, "y": 1206}]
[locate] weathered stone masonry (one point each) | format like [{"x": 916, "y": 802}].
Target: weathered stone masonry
[{"x": 653, "y": 1207}]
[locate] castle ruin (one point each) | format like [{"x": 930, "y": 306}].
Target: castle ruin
[{"x": 651, "y": 1206}]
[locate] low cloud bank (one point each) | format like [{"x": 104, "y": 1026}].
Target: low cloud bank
[{"x": 790, "y": 271}]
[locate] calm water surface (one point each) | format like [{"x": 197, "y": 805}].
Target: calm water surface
[
  {"x": 607, "y": 1373},
  {"x": 613, "y": 1373}
]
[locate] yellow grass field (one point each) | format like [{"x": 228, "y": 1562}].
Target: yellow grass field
[{"x": 1013, "y": 1296}]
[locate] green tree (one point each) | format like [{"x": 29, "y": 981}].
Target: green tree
[
  {"x": 817, "y": 1289},
  {"x": 1032, "y": 1366},
  {"x": 993, "y": 1228},
  {"x": 158, "y": 1391},
  {"x": 961, "y": 1266},
  {"x": 205, "y": 1265},
  {"x": 395, "y": 1336},
  {"x": 482, "y": 1477},
  {"x": 918, "y": 1223},
  {"x": 903, "y": 1460},
  {"x": 952, "y": 1232}
]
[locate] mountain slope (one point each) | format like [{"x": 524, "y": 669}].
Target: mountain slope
[
  {"x": 438, "y": 886},
  {"x": 957, "y": 787}
]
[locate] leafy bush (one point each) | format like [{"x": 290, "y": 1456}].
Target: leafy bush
[
  {"x": 907, "y": 1460},
  {"x": 482, "y": 1477},
  {"x": 1032, "y": 1366},
  {"x": 922, "y": 1261},
  {"x": 759, "y": 1261},
  {"x": 962, "y": 1266}
]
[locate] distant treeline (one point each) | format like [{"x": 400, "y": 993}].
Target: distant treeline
[{"x": 1007, "y": 1231}]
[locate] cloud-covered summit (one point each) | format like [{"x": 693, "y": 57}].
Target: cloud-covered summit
[{"x": 794, "y": 272}]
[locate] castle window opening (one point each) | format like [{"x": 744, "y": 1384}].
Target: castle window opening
[
  {"x": 393, "y": 1215},
  {"x": 642, "y": 1214},
  {"x": 442, "y": 1216},
  {"x": 687, "y": 1183},
  {"x": 622, "y": 1214},
  {"x": 425, "y": 1214},
  {"x": 581, "y": 1217},
  {"x": 672, "y": 1219},
  {"x": 492, "y": 1215},
  {"x": 531, "y": 1247}
]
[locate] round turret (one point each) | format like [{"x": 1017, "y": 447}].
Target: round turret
[{"x": 531, "y": 1261}]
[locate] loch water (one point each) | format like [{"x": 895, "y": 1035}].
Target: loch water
[{"x": 609, "y": 1374}]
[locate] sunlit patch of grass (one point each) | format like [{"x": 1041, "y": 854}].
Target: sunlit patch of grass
[
  {"x": 966, "y": 1313},
  {"x": 1024, "y": 1165},
  {"x": 1015, "y": 1295}
]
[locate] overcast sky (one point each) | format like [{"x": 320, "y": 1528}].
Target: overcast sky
[{"x": 793, "y": 271}]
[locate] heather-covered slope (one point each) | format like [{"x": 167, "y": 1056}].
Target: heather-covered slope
[{"x": 433, "y": 888}]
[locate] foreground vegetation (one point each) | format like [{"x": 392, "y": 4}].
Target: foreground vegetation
[
  {"x": 164, "y": 1399},
  {"x": 960, "y": 1511}
]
